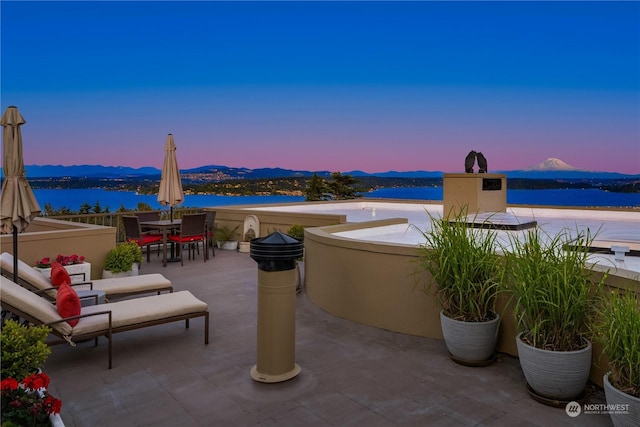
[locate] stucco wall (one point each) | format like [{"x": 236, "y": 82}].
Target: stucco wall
[{"x": 47, "y": 237}]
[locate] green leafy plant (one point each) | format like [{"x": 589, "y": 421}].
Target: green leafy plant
[
  {"x": 122, "y": 257},
  {"x": 466, "y": 272},
  {"x": 617, "y": 329},
  {"x": 226, "y": 233},
  {"x": 296, "y": 231},
  {"x": 23, "y": 349},
  {"x": 551, "y": 286}
]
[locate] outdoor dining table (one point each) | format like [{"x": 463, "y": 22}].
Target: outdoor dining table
[{"x": 164, "y": 225}]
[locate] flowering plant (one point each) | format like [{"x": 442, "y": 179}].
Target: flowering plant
[
  {"x": 62, "y": 259},
  {"x": 27, "y": 403}
]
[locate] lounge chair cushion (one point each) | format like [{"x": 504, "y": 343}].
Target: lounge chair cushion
[
  {"x": 59, "y": 274},
  {"x": 123, "y": 285},
  {"x": 111, "y": 287},
  {"x": 28, "y": 302},
  {"x": 68, "y": 303},
  {"x": 139, "y": 310},
  {"x": 27, "y": 273}
]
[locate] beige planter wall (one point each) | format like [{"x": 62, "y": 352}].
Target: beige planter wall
[
  {"x": 375, "y": 284},
  {"x": 271, "y": 221},
  {"x": 47, "y": 237}
]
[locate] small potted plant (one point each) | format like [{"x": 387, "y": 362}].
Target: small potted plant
[
  {"x": 617, "y": 330},
  {"x": 552, "y": 290},
  {"x": 466, "y": 275},
  {"x": 123, "y": 260},
  {"x": 225, "y": 237},
  {"x": 23, "y": 385}
]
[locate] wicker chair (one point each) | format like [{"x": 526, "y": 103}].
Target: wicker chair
[
  {"x": 192, "y": 232},
  {"x": 134, "y": 233}
]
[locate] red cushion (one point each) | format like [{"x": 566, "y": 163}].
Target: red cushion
[
  {"x": 147, "y": 239},
  {"x": 59, "y": 274},
  {"x": 68, "y": 303},
  {"x": 186, "y": 239}
]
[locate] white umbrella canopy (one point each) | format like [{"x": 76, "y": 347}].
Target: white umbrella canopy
[
  {"x": 18, "y": 204},
  {"x": 170, "y": 192}
]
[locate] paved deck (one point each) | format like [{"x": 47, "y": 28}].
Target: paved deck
[{"x": 352, "y": 375}]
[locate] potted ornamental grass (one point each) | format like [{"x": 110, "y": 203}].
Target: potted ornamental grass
[
  {"x": 553, "y": 290},
  {"x": 617, "y": 330},
  {"x": 226, "y": 237},
  {"x": 123, "y": 260},
  {"x": 25, "y": 400},
  {"x": 466, "y": 278}
]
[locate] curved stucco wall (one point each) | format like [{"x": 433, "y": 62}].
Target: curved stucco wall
[{"x": 377, "y": 284}]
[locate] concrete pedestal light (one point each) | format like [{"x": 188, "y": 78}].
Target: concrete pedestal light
[{"x": 276, "y": 256}]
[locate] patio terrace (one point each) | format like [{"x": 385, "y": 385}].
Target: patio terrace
[{"x": 352, "y": 374}]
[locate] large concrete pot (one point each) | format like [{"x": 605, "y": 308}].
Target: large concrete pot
[
  {"x": 624, "y": 408},
  {"x": 106, "y": 274},
  {"x": 555, "y": 375},
  {"x": 470, "y": 343}
]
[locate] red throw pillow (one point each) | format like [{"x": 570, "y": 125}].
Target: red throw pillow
[
  {"x": 59, "y": 274},
  {"x": 68, "y": 303}
]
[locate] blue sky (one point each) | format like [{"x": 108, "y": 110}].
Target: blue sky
[{"x": 334, "y": 86}]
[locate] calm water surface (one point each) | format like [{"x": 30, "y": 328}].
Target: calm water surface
[{"x": 73, "y": 199}]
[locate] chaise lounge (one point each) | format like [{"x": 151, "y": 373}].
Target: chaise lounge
[
  {"x": 118, "y": 287},
  {"x": 103, "y": 319}
]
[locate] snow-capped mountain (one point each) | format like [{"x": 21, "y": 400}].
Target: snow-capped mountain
[{"x": 552, "y": 164}]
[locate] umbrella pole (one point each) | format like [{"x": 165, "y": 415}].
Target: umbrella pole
[
  {"x": 15, "y": 254},
  {"x": 171, "y": 208}
]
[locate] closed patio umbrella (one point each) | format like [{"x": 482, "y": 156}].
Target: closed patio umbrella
[
  {"x": 170, "y": 192},
  {"x": 18, "y": 205}
]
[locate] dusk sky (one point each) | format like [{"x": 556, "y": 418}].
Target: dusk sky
[{"x": 336, "y": 86}]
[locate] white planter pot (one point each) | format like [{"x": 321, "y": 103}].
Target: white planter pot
[
  {"x": 470, "y": 343},
  {"x": 244, "y": 247},
  {"x": 78, "y": 272},
  {"x": 619, "y": 400},
  {"x": 555, "y": 375},
  {"x": 229, "y": 245},
  {"x": 106, "y": 274}
]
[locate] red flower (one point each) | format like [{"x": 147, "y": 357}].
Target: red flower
[
  {"x": 36, "y": 381},
  {"x": 54, "y": 405},
  {"x": 9, "y": 384},
  {"x": 62, "y": 259},
  {"x": 44, "y": 263}
]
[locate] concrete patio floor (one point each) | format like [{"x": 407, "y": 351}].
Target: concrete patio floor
[{"x": 352, "y": 375}]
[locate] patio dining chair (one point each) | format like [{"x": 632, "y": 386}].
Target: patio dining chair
[
  {"x": 149, "y": 216},
  {"x": 192, "y": 232},
  {"x": 133, "y": 233}
]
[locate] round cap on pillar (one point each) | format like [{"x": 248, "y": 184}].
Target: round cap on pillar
[{"x": 276, "y": 252}]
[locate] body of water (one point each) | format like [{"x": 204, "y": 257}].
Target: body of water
[
  {"x": 555, "y": 197},
  {"x": 73, "y": 199}
]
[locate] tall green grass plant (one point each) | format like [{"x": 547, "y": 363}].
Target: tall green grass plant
[
  {"x": 617, "y": 329},
  {"x": 466, "y": 272},
  {"x": 552, "y": 288}
]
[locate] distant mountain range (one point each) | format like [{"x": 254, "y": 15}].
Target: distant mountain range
[{"x": 549, "y": 169}]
